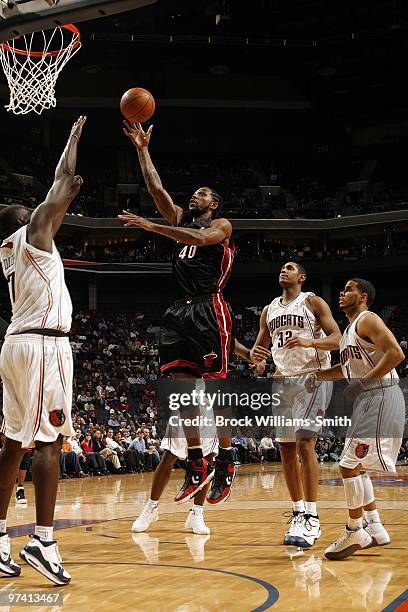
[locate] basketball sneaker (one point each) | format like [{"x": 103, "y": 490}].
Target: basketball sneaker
[
  {"x": 148, "y": 515},
  {"x": 221, "y": 485},
  {"x": 378, "y": 532},
  {"x": 7, "y": 565},
  {"x": 308, "y": 532},
  {"x": 20, "y": 497},
  {"x": 295, "y": 530},
  {"x": 348, "y": 543},
  {"x": 195, "y": 521},
  {"x": 45, "y": 558},
  {"x": 198, "y": 473}
]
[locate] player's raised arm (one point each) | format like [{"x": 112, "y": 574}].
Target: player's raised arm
[
  {"x": 220, "y": 230},
  {"x": 373, "y": 327},
  {"x": 47, "y": 218},
  {"x": 263, "y": 340},
  {"x": 164, "y": 203}
]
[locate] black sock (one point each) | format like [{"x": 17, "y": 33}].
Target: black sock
[
  {"x": 194, "y": 454},
  {"x": 225, "y": 454}
]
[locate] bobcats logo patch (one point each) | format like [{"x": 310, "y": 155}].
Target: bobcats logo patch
[
  {"x": 362, "y": 450},
  {"x": 209, "y": 359},
  {"x": 57, "y": 418}
]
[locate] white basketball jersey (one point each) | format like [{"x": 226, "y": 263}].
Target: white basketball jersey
[
  {"x": 358, "y": 357},
  {"x": 295, "y": 319},
  {"x": 39, "y": 296}
]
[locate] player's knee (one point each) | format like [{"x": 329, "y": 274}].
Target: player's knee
[
  {"x": 11, "y": 447},
  {"x": 306, "y": 448},
  {"x": 287, "y": 450},
  {"x": 167, "y": 460}
]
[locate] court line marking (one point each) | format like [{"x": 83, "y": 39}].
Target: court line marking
[
  {"x": 398, "y": 604},
  {"x": 273, "y": 593}
]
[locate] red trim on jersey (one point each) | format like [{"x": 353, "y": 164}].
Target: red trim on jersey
[
  {"x": 225, "y": 326},
  {"x": 181, "y": 363},
  {"x": 226, "y": 266}
]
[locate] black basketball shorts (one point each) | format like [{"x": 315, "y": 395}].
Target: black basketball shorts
[{"x": 197, "y": 337}]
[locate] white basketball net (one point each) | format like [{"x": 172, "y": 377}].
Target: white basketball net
[{"x": 32, "y": 74}]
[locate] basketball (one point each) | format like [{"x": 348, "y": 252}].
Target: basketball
[{"x": 137, "y": 105}]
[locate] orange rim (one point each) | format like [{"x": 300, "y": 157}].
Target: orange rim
[{"x": 70, "y": 27}]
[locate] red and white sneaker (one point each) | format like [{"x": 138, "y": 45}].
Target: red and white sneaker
[
  {"x": 221, "y": 485},
  {"x": 198, "y": 473}
]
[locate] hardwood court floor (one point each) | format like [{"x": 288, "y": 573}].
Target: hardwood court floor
[{"x": 241, "y": 566}]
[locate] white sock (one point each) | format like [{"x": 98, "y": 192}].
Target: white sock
[
  {"x": 311, "y": 508},
  {"x": 355, "y": 524},
  {"x": 197, "y": 509},
  {"x": 44, "y": 533},
  {"x": 152, "y": 503},
  {"x": 19, "y": 487},
  {"x": 372, "y": 516},
  {"x": 3, "y": 527},
  {"x": 226, "y": 447},
  {"x": 298, "y": 506},
  {"x": 368, "y": 489}
]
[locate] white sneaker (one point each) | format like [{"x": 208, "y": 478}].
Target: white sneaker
[
  {"x": 196, "y": 546},
  {"x": 307, "y": 531},
  {"x": 45, "y": 558},
  {"x": 348, "y": 543},
  {"x": 148, "y": 515},
  {"x": 295, "y": 530},
  {"x": 148, "y": 545},
  {"x": 195, "y": 521},
  {"x": 378, "y": 532},
  {"x": 7, "y": 565}
]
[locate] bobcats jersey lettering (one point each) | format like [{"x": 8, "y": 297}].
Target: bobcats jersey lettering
[
  {"x": 358, "y": 356},
  {"x": 350, "y": 352},
  {"x": 285, "y": 321}
]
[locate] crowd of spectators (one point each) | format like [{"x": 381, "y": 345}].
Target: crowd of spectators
[
  {"x": 116, "y": 406},
  {"x": 150, "y": 249},
  {"x": 299, "y": 190}
]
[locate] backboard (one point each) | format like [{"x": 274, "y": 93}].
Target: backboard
[{"x": 24, "y": 16}]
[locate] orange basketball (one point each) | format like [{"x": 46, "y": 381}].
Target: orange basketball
[{"x": 137, "y": 105}]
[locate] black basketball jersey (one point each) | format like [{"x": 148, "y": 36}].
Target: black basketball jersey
[{"x": 201, "y": 270}]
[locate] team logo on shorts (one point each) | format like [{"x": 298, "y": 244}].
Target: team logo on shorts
[
  {"x": 57, "y": 418},
  {"x": 209, "y": 359},
  {"x": 362, "y": 450}
]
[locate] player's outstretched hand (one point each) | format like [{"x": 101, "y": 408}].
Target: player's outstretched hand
[
  {"x": 296, "y": 341},
  {"x": 311, "y": 382},
  {"x": 259, "y": 353},
  {"x": 259, "y": 367},
  {"x": 76, "y": 129},
  {"x": 132, "y": 219},
  {"x": 137, "y": 135},
  {"x": 353, "y": 390}
]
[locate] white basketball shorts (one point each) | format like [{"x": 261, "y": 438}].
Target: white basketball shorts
[
  {"x": 175, "y": 442},
  {"x": 301, "y": 407},
  {"x": 37, "y": 374},
  {"x": 377, "y": 427}
]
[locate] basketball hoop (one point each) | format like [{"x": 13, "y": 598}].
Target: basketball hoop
[{"x": 32, "y": 74}]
